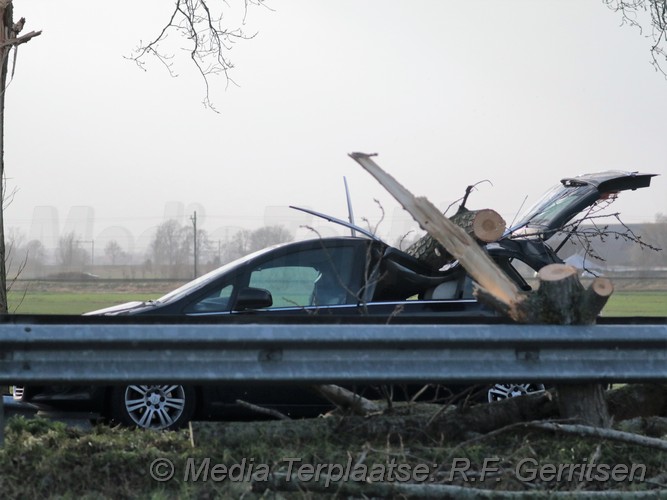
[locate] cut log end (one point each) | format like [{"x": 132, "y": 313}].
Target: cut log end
[
  {"x": 602, "y": 287},
  {"x": 557, "y": 272},
  {"x": 488, "y": 225}
]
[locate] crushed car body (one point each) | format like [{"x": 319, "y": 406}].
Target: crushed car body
[{"x": 332, "y": 277}]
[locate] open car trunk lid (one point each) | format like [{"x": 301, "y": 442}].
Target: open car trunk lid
[{"x": 564, "y": 201}]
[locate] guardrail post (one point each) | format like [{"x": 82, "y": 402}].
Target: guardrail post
[{"x": 2, "y": 422}]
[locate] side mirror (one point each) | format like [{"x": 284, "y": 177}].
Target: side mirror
[{"x": 253, "y": 298}]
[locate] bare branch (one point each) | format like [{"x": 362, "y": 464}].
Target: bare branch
[
  {"x": 597, "y": 228},
  {"x": 13, "y": 42},
  {"x": 650, "y": 17},
  {"x": 588, "y": 431},
  {"x": 469, "y": 189},
  {"x": 208, "y": 41},
  {"x": 586, "y": 236},
  {"x": 262, "y": 410}
]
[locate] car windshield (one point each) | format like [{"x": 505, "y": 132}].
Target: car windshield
[{"x": 552, "y": 206}]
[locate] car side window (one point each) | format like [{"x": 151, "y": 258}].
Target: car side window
[
  {"x": 316, "y": 277},
  {"x": 216, "y": 301},
  {"x": 289, "y": 285}
]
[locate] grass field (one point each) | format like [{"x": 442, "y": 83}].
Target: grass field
[
  {"x": 621, "y": 303},
  {"x": 636, "y": 304},
  {"x": 68, "y": 302},
  {"x": 45, "y": 459}
]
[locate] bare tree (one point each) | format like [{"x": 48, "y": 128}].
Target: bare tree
[
  {"x": 267, "y": 236},
  {"x": 247, "y": 241},
  {"x": 113, "y": 251},
  {"x": 650, "y": 17},
  {"x": 203, "y": 247},
  {"x": 209, "y": 40},
  {"x": 9, "y": 39},
  {"x": 20, "y": 256},
  {"x": 170, "y": 247},
  {"x": 70, "y": 254},
  {"x": 35, "y": 256}
]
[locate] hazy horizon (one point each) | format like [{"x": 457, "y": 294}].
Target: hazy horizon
[{"x": 520, "y": 94}]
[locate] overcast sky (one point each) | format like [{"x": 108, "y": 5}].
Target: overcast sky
[{"x": 521, "y": 93}]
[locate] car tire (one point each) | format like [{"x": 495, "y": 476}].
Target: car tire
[
  {"x": 498, "y": 392},
  {"x": 156, "y": 407}
]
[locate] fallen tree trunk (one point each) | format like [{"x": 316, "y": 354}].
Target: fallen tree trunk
[
  {"x": 485, "y": 418},
  {"x": 428, "y": 423},
  {"x": 627, "y": 402},
  {"x": 560, "y": 299},
  {"x": 484, "y": 226}
]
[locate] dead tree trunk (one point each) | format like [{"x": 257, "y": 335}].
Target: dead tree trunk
[
  {"x": 560, "y": 299},
  {"x": 9, "y": 38},
  {"x": 6, "y": 14},
  {"x": 484, "y": 226}
]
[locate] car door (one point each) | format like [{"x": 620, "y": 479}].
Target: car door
[{"x": 305, "y": 278}]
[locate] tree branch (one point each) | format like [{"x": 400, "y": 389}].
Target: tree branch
[
  {"x": 209, "y": 41},
  {"x": 263, "y": 411},
  {"x": 13, "y": 42},
  {"x": 632, "y": 10},
  {"x": 604, "y": 433}
]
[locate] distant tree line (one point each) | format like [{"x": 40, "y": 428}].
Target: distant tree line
[{"x": 170, "y": 253}]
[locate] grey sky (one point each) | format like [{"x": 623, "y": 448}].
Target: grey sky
[{"x": 448, "y": 93}]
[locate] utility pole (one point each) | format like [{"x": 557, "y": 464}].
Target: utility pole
[{"x": 193, "y": 218}]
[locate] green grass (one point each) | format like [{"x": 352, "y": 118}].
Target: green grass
[
  {"x": 42, "y": 459},
  {"x": 636, "y": 304},
  {"x": 69, "y": 303}
]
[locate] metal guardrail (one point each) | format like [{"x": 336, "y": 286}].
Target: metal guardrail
[
  {"x": 326, "y": 353},
  {"x": 81, "y": 353}
]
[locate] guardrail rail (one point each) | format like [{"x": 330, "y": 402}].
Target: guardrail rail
[{"x": 94, "y": 351}]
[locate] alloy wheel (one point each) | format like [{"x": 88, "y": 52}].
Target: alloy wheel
[
  {"x": 155, "y": 406},
  {"x": 504, "y": 391}
]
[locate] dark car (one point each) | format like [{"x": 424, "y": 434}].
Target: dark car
[{"x": 329, "y": 277}]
